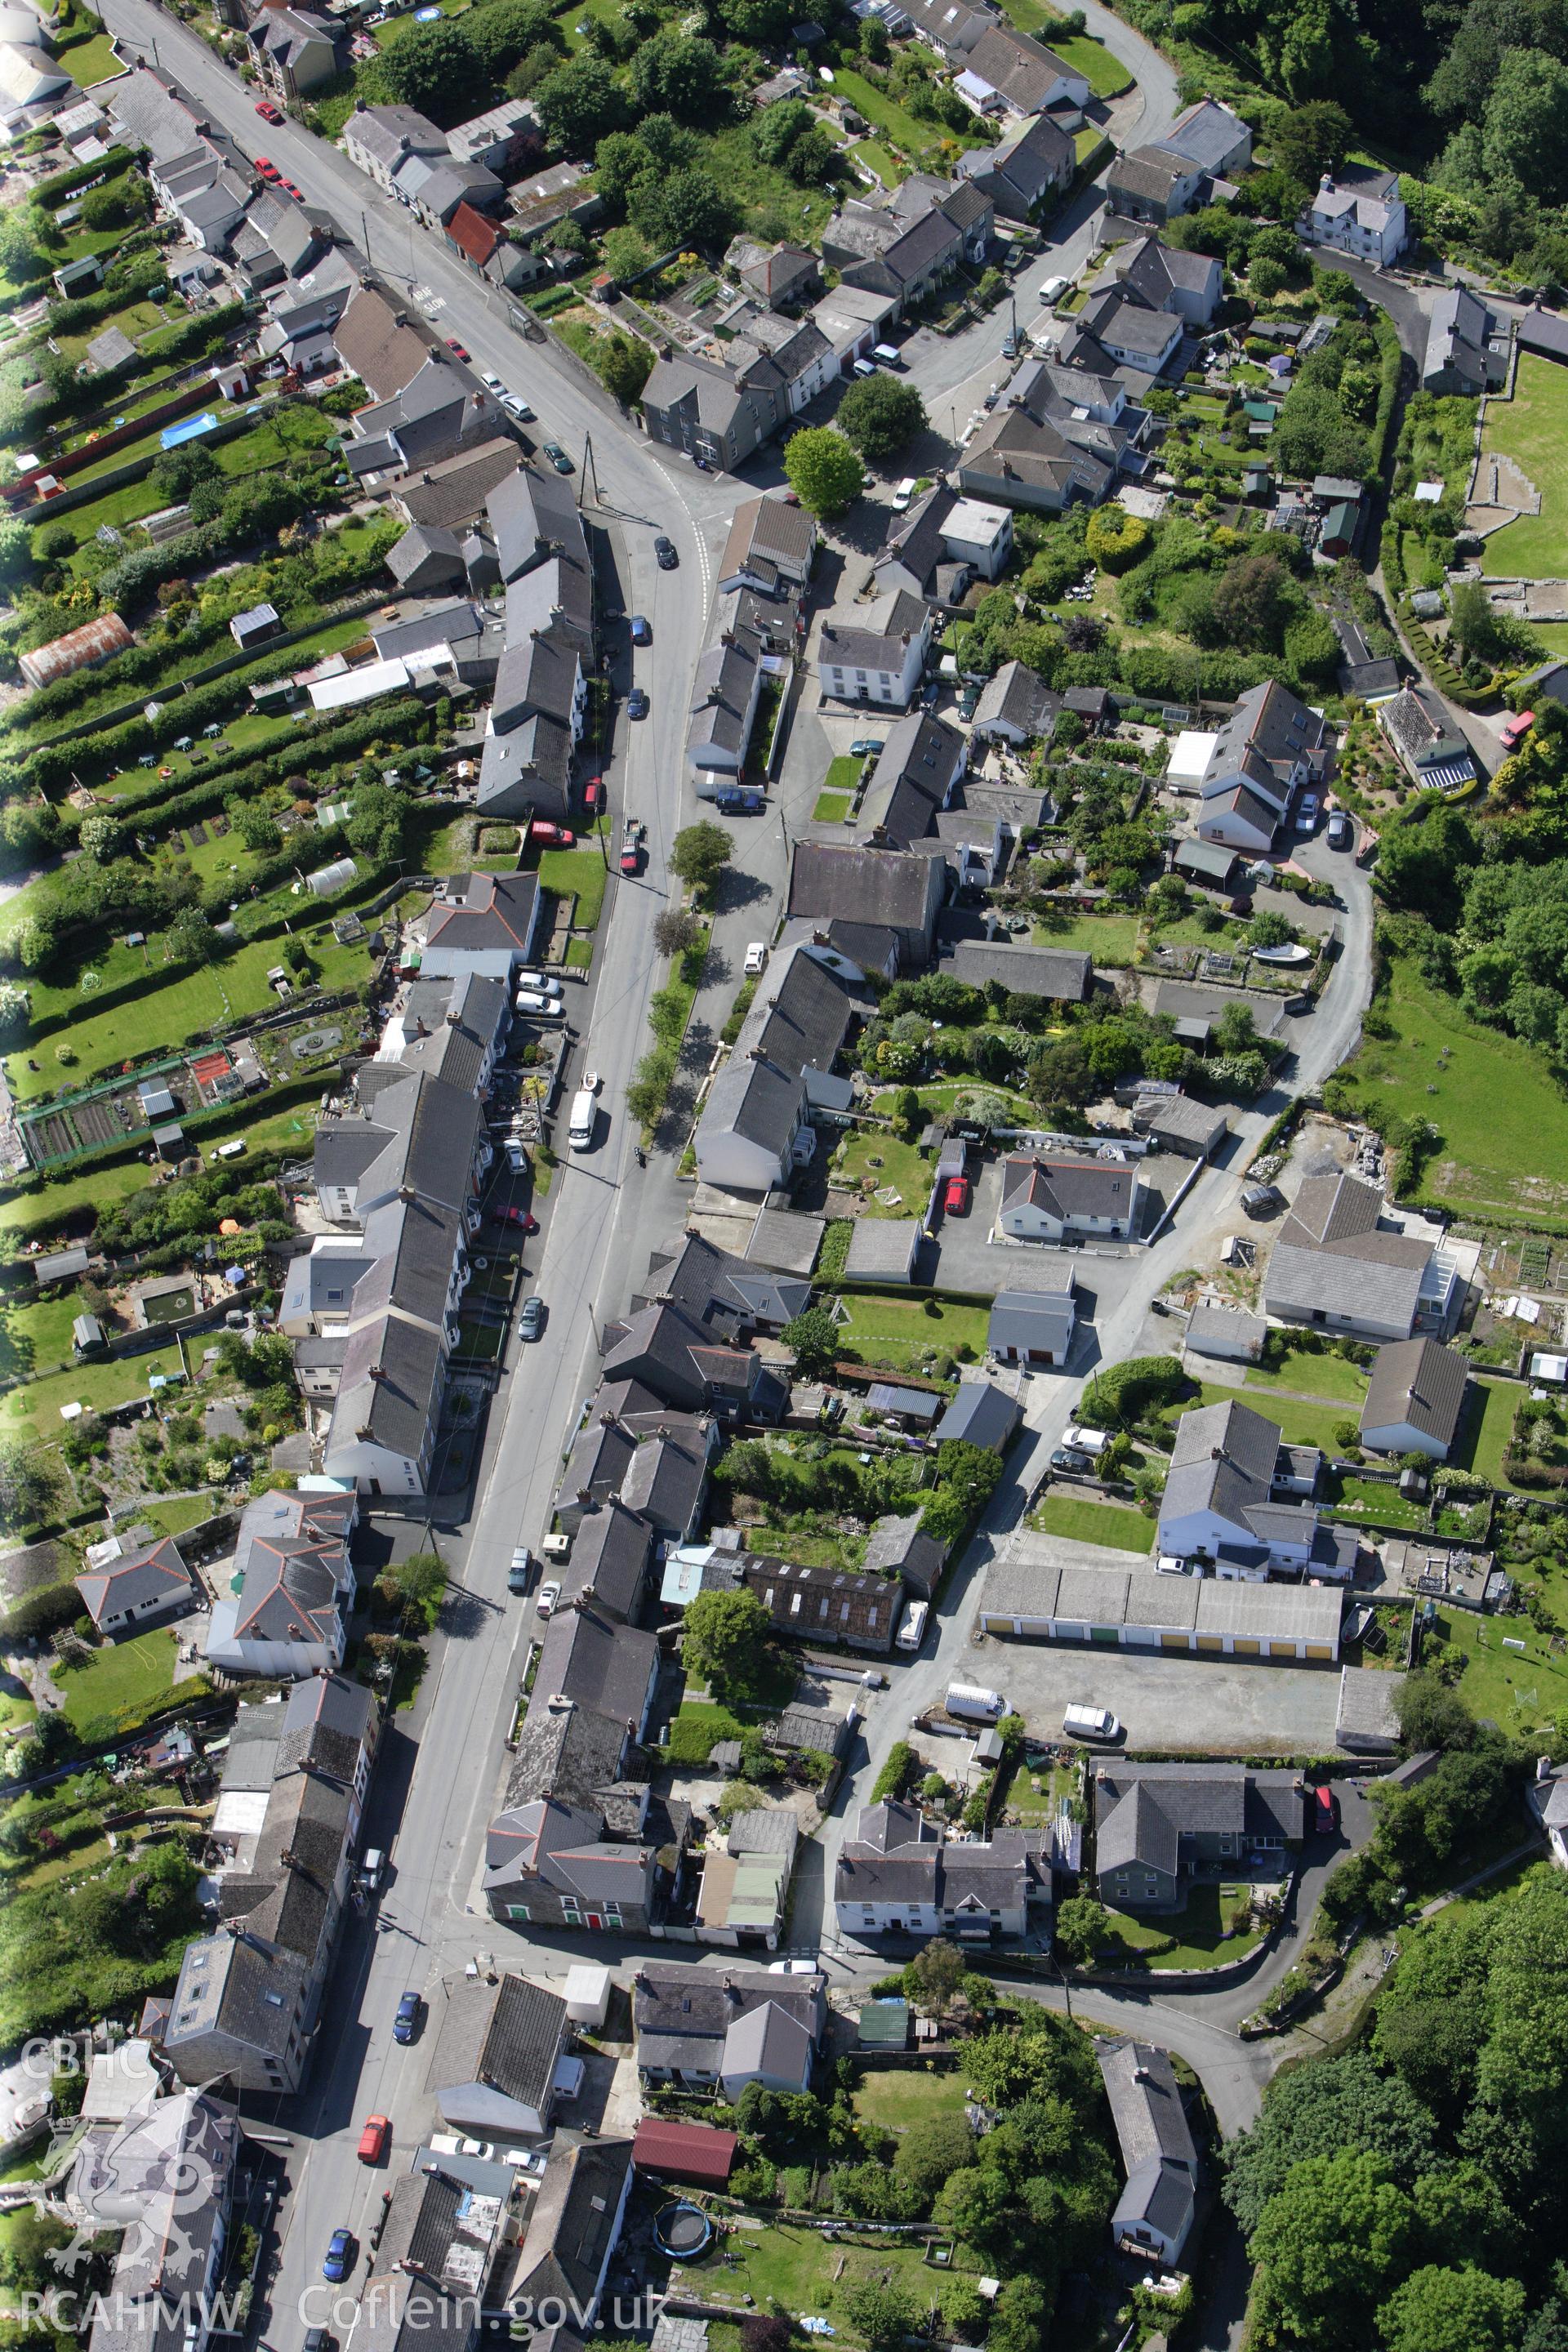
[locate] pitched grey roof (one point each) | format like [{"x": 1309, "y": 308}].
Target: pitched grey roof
[
  {"x": 572, "y": 2225},
  {"x": 597, "y": 1661},
  {"x": 1062, "y": 973},
  {"x": 1067, "y": 1188},
  {"x": 1157, "y": 2149},
  {"x": 1017, "y": 697},
  {"x": 1223, "y": 1460},
  {"x": 506, "y": 2035},
  {"x": 981, "y": 1414},
  {"x": 700, "y": 2004},
  {"x": 1418, "y": 1381},
  {"x": 872, "y": 886},
  {"x": 610, "y": 1555},
  {"x": 1031, "y": 1319}
]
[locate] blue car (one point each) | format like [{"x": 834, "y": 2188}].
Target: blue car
[
  {"x": 339, "y": 2257},
  {"x": 641, "y": 634},
  {"x": 405, "y": 2024},
  {"x": 637, "y": 703}
]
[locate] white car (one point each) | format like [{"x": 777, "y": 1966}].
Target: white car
[
  {"x": 1307, "y": 814},
  {"x": 517, "y": 1159},
  {"x": 543, "y": 983},
  {"x": 537, "y": 1005},
  {"x": 903, "y": 494},
  {"x": 791, "y": 1968},
  {"x": 756, "y": 958},
  {"x": 549, "y": 1594},
  {"x": 518, "y": 407},
  {"x": 493, "y": 381},
  {"x": 1053, "y": 289}
]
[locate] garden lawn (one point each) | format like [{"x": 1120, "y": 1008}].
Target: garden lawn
[
  {"x": 1484, "y": 1433},
  {"x": 35, "y": 1334},
  {"x": 1532, "y": 429},
  {"x": 122, "y": 1674},
  {"x": 1106, "y": 75},
  {"x": 1095, "y": 1523},
  {"x": 1523, "y": 1693},
  {"x": 895, "y": 2100},
  {"x": 1502, "y": 1118},
  {"x": 48, "y": 1208},
  {"x": 898, "y": 1164},
  {"x": 90, "y": 57},
  {"x": 1333, "y": 1377},
  {"x": 35, "y": 1407},
  {"x": 178, "y": 1513},
  {"x": 843, "y": 774},
  {"x": 1110, "y": 939},
  {"x": 880, "y": 160},
  {"x": 579, "y": 871},
  {"x": 832, "y": 808},
  {"x": 794, "y": 2268},
  {"x": 885, "y": 114},
  {"x": 1302, "y": 1424},
  {"x": 1198, "y": 1930},
  {"x": 899, "y": 1332},
  {"x": 1370, "y": 1498}
]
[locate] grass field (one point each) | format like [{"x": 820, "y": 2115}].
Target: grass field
[
  {"x": 1333, "y": 1377},
  {"x": 1199, "y": 1930},
  {"x": 1484, "y": 1436},
  {"x": 1080, "y": 1521},
  {"x": 35, "y": 1408},
  {"x": 51, "y": 1204},
  {"x": 1523, "y": 1693},
  {"x": 794, "y": 2268},
  {"x": 1502, "y": 1118},
  {"x": 37, "y": 1334},
  {"x": 1107, "y": 76},
  {"x": 122, "y": 1674},
  {"x": 1110, "y": 939},
  {"x": 1301, "y": 1423},
  {"x": 1532, "y": 429},
  {"x": 900, "y": 1330}
]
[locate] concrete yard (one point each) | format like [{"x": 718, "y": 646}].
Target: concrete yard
[{"x": 1211, "y": 1706}]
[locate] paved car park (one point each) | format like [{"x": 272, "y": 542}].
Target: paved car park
[{"x": 1166, "y": 1704}]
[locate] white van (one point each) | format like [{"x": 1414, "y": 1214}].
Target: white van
[
  {"x": 580, "y": 1131},
  {"x": 1053, "y": 289},
  {"x": 1090, "y": 1723},
  {"x": 538, "y": 1007},
  {"x": 912, "y": 1632},
  {"x": 972, "y": 1699},
  {"x": 903, "y": 494},
  {"x": 1092, "y": 1442},
  {"x": 888, "y": 355},
  {"x": 864, "y": 368}
]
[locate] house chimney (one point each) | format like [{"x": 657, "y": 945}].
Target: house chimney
[
  {"x": 376, "y": 1373},
  {"x": 1543, "y": 1768}
]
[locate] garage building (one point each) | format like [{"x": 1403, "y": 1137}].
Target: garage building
[{"x": 1030, "y": 1595}]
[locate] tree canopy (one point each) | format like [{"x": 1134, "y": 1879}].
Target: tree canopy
[
  {"x": 824, "y": 471},
  {"x": 879, "y": 415},
  {"x": 725, "y": 1636}
]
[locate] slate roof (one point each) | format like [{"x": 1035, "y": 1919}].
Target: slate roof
[
  {"x": 1418, "y": 1382},
  {"x": 384, "y": 354},
  {"x": 701, "y": 2004},
  {"x": 597, "y": 1661},
  {"x": 455, "y": 492},
  {"x": 1223, "y": 1460},
  {"x": 571, "y": 2225},
  {"x": 1063, "y": 975},
  {"x": 485, "y": 911},
  {"x": 981, "y": 1414},
  {"x": 290, "y": 1556},
  {"x": 610, "y": 1555},
  {"x": 1016, "y": 696},
  {"x": 146, "y": 1577},
  {"x": 869, "y": 885},
  {"x": 1067, "y": 1189},
  {"x": 1040, "y": 1320},
  {"x": 1330, "y": 1252},
  {"x": 506, "y": 2036},
  {"x": 1157, "y": 2149}
]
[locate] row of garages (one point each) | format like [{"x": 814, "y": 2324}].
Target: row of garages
[{"x": 1033, "y": 1593}]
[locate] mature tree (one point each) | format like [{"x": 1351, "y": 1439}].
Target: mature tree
[
  {"x": 683, "y": 74},
  {"x": 699, "y": 853},
  {"x": 625, "y": 365},
  {"x": 1266, "y": 277},
  {"x": 759, "y": 23},
  {"x": 971, "y": 1473},
  {"x": 1019, "y": 2318},
  {"x": 504, "y": 31},
  {"x": 1060, "y": 1073},
  {"x": 688, "y": 209},
  {"x": 930, "y": 2153},
  {"x": 824, "y": 471},
  {"x": 626, "y": 250},
  {"x": 881, "y": 414},
  {"x": 376, "y": 821},
  {"x": 724, "y": 1638},
  {"x": 21, "y": 243},
  {"x": 1432, "y": 2013},
  {"x": 1329, "y": 2246},
  {"x": 1431, "y": 1715},
  {"x": 1439, "y": 2310},
  {"x": 30, "y": 1486},
  {"x": 1252, "y": 600},
  {"x": 1524, "y": 131},
  {"x": 1082, "y": 1926},
  {"x": 622, "y": 158},
  {"x": 934, "y": 1973},
  {"x": 1270, "y": 929},
  {"x": 881, "y": 2315},
  {"x": 432, "y": 67},
  {"x": 191, "y": 939},
  {"x": 578, "y": 104},
  {"x": 1318, "y": 2111},
  {"x": 776, "y": 127},
  {"x": 1473, "y": 622},
  {"x": 676, "y": 929},
  {"x": 816, "y": 1340},
  {"x": 1236, "y": 1030},
  {"x": 16, "y": 552},
  {"x": 102, "y": 837}
]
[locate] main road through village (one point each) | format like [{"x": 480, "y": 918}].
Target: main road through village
[{"x": 437, "y": 1779}]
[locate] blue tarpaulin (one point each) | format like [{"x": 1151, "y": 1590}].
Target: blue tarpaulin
[{"x": 189, "y": 428}]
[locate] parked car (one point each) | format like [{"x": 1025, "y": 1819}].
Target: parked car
[
  {"x": 1307, "y": 814},
  {"x": 515, "y": 406},
  {"x": 291, "y": 190},
  {"x": 637, "y": 703},
  {"x": 549, "y": 1594},
  {"x": 1261, "y": 1200},
  {"x": 544, "y": 982},
  {"x": 405, "y": 2024},
  {"x": 641, "y": 634},
  {"x": 268, "y": 168},
  {"x": 1053, "y": 290},
  {"x": 631, "y": 838},
  {"x": 493, "y": 381},
  {"x": 594, "y": 795},
  {"x": 375, "y": 2138},
  {"x": 864, "y": 746},
  {"x": 664, "y": 552},
  {"x": 459, "y": 350},
  {"x": 555, "y": 836},
  {"x": 268, "y": 111},
  {"x": 955, "y": 1199},
  {"x": 558, "y": 457},
  {"x": 1068, "y": 1457},
  {"x": 524, "y": 1219},
  {"x": 756, "y": 958},
  {"x": 1325, "y": 1811},
  {"x": 1341, "y": 833},
  {"x": 903, "y": 494},
  {"x": 537, "y": 1005},
  {"x": 520, "y": 1571},
  {"x": 739, "y": 800},
  {"x": 340, "y": 2256},
  {"x": 529, "y": 1324}
]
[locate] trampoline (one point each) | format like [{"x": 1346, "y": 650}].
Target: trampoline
[{"x": 683, "y": 2231}]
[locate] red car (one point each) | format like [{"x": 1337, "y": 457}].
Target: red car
[
  {"x": 594, "y": 795},
  {"x": 268, "y": 168},
  {"x": 454, "y": 346},
  {"x": 268, "y": 111},
  {"x": 375, "y": 2138},
  {"x": 291, "y": 190},
  {"x": 521, "y": 1217},
  {"x": 1325, "y": 1810},
  {"x": 559, "y": 836},
  {"x": 955, "y": 1200}
]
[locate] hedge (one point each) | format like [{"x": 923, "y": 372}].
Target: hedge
[
  {"x": 48, "y": 1612},
  {"x": 898, "y": 1773},
  {"x": 62, "y": 184},
  {"x": 1123, "y": 1392}
]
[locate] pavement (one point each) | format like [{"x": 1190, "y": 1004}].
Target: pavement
[{"x": 440, "y": 1762}]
